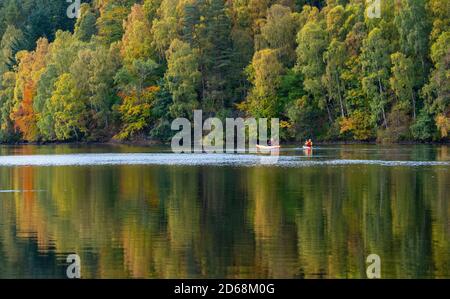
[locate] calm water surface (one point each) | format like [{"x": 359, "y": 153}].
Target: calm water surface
[{"x": 146, "y": 213}]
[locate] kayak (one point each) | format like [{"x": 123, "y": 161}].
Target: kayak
[
  {"x": 307, "y": 147},
  {"x": 267, "y": 147}
]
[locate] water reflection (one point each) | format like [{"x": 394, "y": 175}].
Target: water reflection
[{"x": 204, "y": 221}]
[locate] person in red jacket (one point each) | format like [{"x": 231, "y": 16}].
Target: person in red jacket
[{"x": 309, "y": 143}]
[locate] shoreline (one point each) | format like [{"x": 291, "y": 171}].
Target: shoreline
[{"x": 149, "y": 143}]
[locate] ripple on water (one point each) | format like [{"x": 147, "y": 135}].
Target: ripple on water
[{"x": 195, "y": 160}]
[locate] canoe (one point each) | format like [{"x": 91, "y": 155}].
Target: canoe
[{"x": 266, "y": 147}]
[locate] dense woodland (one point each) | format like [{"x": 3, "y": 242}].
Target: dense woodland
[{"x": 126, "y": 68}]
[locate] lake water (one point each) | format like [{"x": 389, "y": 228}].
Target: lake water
[{"x": 135, "y": 212}]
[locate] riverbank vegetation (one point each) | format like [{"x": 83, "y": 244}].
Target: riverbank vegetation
[{"x": 126, "y": 68}]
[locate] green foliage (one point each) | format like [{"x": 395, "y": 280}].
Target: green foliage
[
  {"x": 95, "y": 70},
  {"x": 161, "y": 104},
  {"x": 335, "y": 59},
  {"x": 11, "y": 42},
  {"x": 109, "y": 23},
  {"x": 183, "y": 78},
  {"x": 85, "y": 27},
  {"x": 437, "y": 91},
  {"x": 164, "y": 27},
  {"x": 265, "y": 74},
  {"x": 69, "y": 113},
  {"x": 135, "y": 113},
  {"x": 376, "y": 65},
  {"x": 279, "y": 33},
  {"x": 6, "y": 106},
  {"x": 137, "y": 97},
  {"x": 399, "y": 122},
  {"x": 423, "y": 129},
  {"x": 402, "y": 82},
  {"x": 312, "y": 41},
  {"x": 42, "y": 103},
  {"x": 126, "y": 68},
  {"x": 301, "y": 113},
  {"x": 414, "y": 30}
]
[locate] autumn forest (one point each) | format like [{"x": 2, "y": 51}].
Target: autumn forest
[{"x": 124, "y": 69}]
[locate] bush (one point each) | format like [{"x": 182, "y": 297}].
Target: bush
[
  {"x": 424, "y": 128},
  {"x": 358, "y": 124},
  {"x": 398, "y": 127},
  {"x": 443, "y": 125}
]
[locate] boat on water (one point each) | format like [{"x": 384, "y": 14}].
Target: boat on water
[
  {"x": 308, "y": 145},
  {"x": 268, "y": 147}
]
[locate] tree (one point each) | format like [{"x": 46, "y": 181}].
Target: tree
[
  {"x": 402, "y": 82},
  {"x": 11, "y": 13},
  {"x": 138, "y": 90},
  {"x": 42, "y": 103},
  {"x": 136, "y": 41},
  {"x": 265, "y": 73},
  {"x": 335, "y": 59},
  {"x": 358, "y": 123},
  {"x": 312, "y": 44},
  {"x": 136, "y": 113},
  {"x": 23, "y": 113},
  {"x": 437, "y": 91},
  {"x": 414, "y": 29},
  {"x": 11, "y": 43},
  {"x": 164, "y": 27},
  {"x": 279, "y": 33},
  {"x": 441, "y": 18},
  {"x": 161, "y": 130},
  {"x": 69, "y": 112},
  {"x": 8, "y": 83},
  {"x": 423, "y": 129},
  {"x": 85, "y": 27},
  {"x": 109, "y": 24},
  {"x": 95, "y": 70},
  {"x": 335, "y": 19},
  {"x": 35, "y": 18},
  {"x": 257, "y": 10},
  {"x": 151, "y": 9},
  {"x": 190, "y": 14},
  {"x": 30, "y": 68},
  {"x": 132, "y": 66},
  {"x": 216, "y": 58},
  {"x": 376, "y": 64},
  {"x": 183, "y": 78},
  {"x": 62, "y": 53}
]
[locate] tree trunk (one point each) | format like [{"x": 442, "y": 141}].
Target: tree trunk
[
  {"x": 382, "y": 108},
  {"x": 340, "y": 97},
  {"x": 330, "y": 117},
  {"x": 384, "y": 118}
]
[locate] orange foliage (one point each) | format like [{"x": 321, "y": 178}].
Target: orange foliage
[
  {"x": 29, "y": 70},
  {"x": 25, "y": 118}
]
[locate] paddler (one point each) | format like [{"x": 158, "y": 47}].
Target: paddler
[{"x": 309, "y": 143}]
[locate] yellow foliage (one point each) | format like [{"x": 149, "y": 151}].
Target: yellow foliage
[
  {"x": 285, "y": 124},
  {"x": 358, "y": 124},
  {"x": 347, "y": 125},
  {"x": 443, "y": 124},
  {"x": 243, "y": 106}
]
